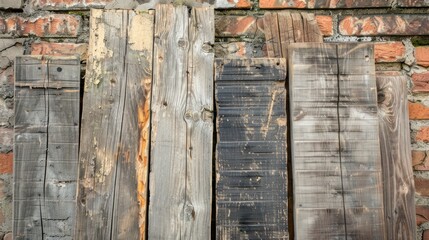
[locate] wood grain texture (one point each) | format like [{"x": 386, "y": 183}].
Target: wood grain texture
[
  {"x": 251, "y": 172},
  {"x": 112, "y": 193},
  {"x": 46, "y": 146},
  {"x": 335, "y": 147},
  {"x": 396, "y": 156},
  {"x": 182, "y": 125},
  {"x": 285, "y": 27}
]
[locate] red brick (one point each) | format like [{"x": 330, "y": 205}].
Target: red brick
[
  {"x": 425, "y": 235},
  {"x": 54, "y": 25},
  {"x": 422, "y": 214},
  {"x": 422, "y": 186},
  {"x": 418, "y": 111},
  {"x": 60, "y": 49},
  {"x": 422, "y": 56},
  {"x": 325, "y": 25},
  {"x": 8, "y": 236},
  {"x": 423, "y": 134},
  {"x": 389, "y": 52},
  {"x": 322, "y": 4},
  {"x": 420, "y": 160},
  {"x": 384, "y": 25},
  {"x": 6, "y": 163},
  {"x": 412, "y": 3},
  {"x": 68, "y": 4},
  {"x": 233, "y": 26},
  {"x": 420, "y": 82}
]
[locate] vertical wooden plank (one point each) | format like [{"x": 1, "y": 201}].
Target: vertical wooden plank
[
  {"x": 115, "y": 127},
  {"x": 199, "y": 122},
  {"x": 46, "y": 145},
  {"x": 251, "y": 174},
  {"x": 182, "y": 127},
  {"x": 298, "y": 27},
  {"x": 395, "y": 146},
  {"x": 336, "y": 156},
  {"x": 272, "y": 35}
]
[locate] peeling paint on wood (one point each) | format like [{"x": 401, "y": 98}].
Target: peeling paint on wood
[
  {"x": 46, "y": 146},
  {"x": 112, "y": 194},
  {"x": 251, "y": 173}
]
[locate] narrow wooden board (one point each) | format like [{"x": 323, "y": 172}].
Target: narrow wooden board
[
  {"x": 182, "y": 125},
  {"x": 251, "y": 172},
  {"x": 46, "y": 146},
  {"x": 398, "y": 183},
  {"x": 285, "y": 27},
  {"x": 335, "y": 148},
  {"x": 114, "y": 145}
]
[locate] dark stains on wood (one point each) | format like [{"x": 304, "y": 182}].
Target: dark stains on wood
[
  {"x": 335, "y": 143},
  {"x": 112, "y": 193},
  {"x": 46, "y": 146},
  {"x": 251, "y": 172},
  {"x": 182, "y": 124},
  {"x": 395, "y": 146}
]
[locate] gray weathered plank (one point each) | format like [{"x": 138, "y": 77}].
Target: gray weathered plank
[
  {"x": 112, "y": 194},
  {"x": 251, "y": 173},
  {"x": 335, "y": 147},
  {"x": 182, "y": 127},
  {"x": 395, "y": 144},
  {"x": 45, "y": 152}
]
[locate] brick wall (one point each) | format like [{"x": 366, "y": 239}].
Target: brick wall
[{"x": 60, "y": 27}]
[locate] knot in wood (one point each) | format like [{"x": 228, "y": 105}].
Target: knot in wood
[
  {"x": 189, "y": 212},
  {"x": 182, "y": 43},
  {"x": 207, "y": 47}
]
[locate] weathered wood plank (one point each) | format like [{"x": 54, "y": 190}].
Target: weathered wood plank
[
  {"x": 398, "y": 184},
  {"x": 335, "y": 147},
  {"x": 182, "y": 125},
  {"x": 251, "y": 172},
  {"x": 113, "y": 166},
  {"x": 45, "y": 151}
]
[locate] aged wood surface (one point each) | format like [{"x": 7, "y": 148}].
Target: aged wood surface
[
  {"x": 396, "y": 156},
  {"x": 251, "y": 172},
  {"x": 182, "y": 125},
  {"x": 46, "y": 146},
  {"x": 335, "y": 146},
  {"x": 112, "y": 194},
  {"x": 284, "y": 27}
]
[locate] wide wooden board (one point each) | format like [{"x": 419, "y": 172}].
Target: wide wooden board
[
  {"x": 112, "y": 194},
  {"x": 251, "y": 169},
  {"x": 398, "y": 183},
  {"x": 47, "y": 93},
  {"x": 182, "y": 124},
  {"x": 335, "y": 146}
]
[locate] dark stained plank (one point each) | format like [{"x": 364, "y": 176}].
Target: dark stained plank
[
  {"x": 46, "y": 146},
  {"x": 398, "y": 184},
  {"x": 251, "y": 171},
  {"x": 112, "y": 194},
  {"x": 182, "y": 125},
  {"x": 284, "y": 27},
  {"x": 335, "y": 147}
]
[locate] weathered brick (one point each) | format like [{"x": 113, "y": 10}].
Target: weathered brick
[
  {"x": 425, "y": 235},
  {"x": 422, "y": 214},
  {"x": 14, "y": 4},
  {"x": 413, "y": 3},
  {"x": 232, "y": 26},
  {"x": 418, "y": 111},
  {"x": 323, "y": 3},
  {"x": 68, "y": 4},
  {"x": 6, "y": 163},
  {"x": 423, "y": 134},
  {"x": 420, "y": 160},
  {"x": 325, "y": 25},
  {"x": 384, "y": 25},
  {"x": 60, "y": 49},
  {"x": 54, "y": 25},
  {"x": 420, "y": 82},
  {"x": 422, "y": 56},
  {"x": 422, "y": 186},
  {"x": 389, "y": 52}
]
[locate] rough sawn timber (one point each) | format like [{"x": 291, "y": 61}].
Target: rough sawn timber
[
  {"x": 46, "y": 146},
  {"x": 182, "y": 124},
  {"x": 114, "y": 145},
  {"x": 335, "y": 143},
  {"x": 251, "y": 166},
  {"x": 398, "y": 182}
]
